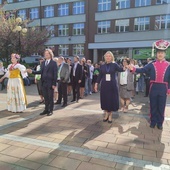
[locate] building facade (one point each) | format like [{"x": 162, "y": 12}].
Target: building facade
[{"x": 91, "y": 27}]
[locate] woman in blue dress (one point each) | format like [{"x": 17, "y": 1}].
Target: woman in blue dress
[{"x": 109, "y": 95}]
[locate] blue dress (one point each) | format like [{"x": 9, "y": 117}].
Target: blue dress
[{"x": 109, "y": 95}]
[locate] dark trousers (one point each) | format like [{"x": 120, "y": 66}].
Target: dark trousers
[
  {"x": 157, "y": 103},
  {"x": 147, "y": 85},
  {"x": 62, "y": 92},
  {"x": 76, "y": 89},
  {"x": 48, "y": 94}
]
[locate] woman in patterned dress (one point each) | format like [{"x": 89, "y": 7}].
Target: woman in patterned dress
[{"x": 16, "y": 96}]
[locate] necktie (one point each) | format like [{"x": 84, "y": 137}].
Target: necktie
[{"x": 46, "y": 63}]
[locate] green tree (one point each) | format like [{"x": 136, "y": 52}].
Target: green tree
[{"x": 17, "y": 37}]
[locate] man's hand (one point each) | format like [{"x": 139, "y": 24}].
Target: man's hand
[
  {"x": 29, "y": 71},
  {"x": 35, "y": 81},
  {"x": 79, "y": 81}
]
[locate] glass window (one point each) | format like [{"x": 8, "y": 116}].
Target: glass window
[
  {"x": 51, "y": 30},
  {"x": 22, "y": 13},
  {"x": 78, "y": 8},
  {"x": 63, "y": 50},
  {"x": 34, "y": 13},
  {"x": 103, "y": 27},
  {"x": 162, "y": 22},
  {"x": 20, "y": 0},
  {"x": 104, "y": 5},
  {"x": 122, "y": 25},
  {"x": 142, "y": 3},
  {"x": 78, "y": 29},
  {"x": 78, "y": 49},
  {"x": 63, "y": 30},
  {"x": 0, "y": 1},
  {"x": 162, "y": 1},
  {"x": 63, "y": 9},
  {"x": 10, "y": 1},
  {"x": 121, "y": 4},
  {"x": 142, "y": 24},
  {"x": 49, "y": 11}
]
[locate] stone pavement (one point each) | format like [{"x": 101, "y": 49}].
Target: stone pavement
[{"x": 75, "y": 138}]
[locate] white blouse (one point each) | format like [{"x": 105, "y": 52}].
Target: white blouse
[{"x": 19, "y": 66}]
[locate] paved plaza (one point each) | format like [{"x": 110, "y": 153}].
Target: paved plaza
[{"x": 75, "y": 138}]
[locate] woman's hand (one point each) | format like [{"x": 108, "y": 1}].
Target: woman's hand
[{"x": 96, "y": 87}]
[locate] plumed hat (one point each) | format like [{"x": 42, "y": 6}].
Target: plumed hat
[{"x": 160, "y": 45}]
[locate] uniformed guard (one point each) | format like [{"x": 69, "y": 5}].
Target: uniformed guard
[{"x": 159, "y": 72}]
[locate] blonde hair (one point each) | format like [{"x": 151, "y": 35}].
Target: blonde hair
[
  {"x": 55, "y": 59},
  {"x": 50, "y": 52},
  {"x": 111, "y": 54}
]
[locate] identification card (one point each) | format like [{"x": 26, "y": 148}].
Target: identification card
[{"x": 108, "y": 77}]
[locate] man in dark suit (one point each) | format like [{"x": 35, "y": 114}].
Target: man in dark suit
[
  {"x": 49, "y": 78},
  {"x": 63, "y": 79},
  {"x": 76, "y": 76}
]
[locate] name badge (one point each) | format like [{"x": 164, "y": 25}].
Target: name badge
[{"x": 108, "y": 77}]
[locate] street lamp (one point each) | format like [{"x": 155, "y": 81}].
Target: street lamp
[{"x": 19, "y": 29}]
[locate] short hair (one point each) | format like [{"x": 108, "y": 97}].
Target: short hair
[
  {"x": 109, "y": 52},
  {"x": 78, "y": 58},
  {"x": 89, "y": 61},
  {"x": 127, "y": 60},
  {"x": 50, "y": 52},
  {"x": 62, "y": 58}
]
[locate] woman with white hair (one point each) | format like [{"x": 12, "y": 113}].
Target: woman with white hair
[
  {"x": 16, "y": 96},
  {"x": 109, "y": 97}
]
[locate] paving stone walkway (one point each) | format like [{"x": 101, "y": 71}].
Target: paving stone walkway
[{"x": 75, "y": 138}]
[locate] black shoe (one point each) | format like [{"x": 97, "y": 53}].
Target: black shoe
[
  {"x": 50, "y": 113},
  {"x": 73, "y": 100},
  {"x": 145, "y": 96},
  {"x": 57, "y": 103},
  {"x": 152, "y": 126},
  {"x": 110, "y": 121},
  {"x": 64, "y": 105},
  {"x": 159, "y": 127},
  {"x": 105, "y": 120},
  {"x": 44, "y": 112}
]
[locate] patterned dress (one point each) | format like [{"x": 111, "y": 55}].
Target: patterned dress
[{"x": 16, "y": 96}]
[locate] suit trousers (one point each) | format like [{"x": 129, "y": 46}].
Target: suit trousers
[
  {"x": 48, "y": 94},
  {"x": 76, "y": 89},
  {"x": 62, "y": 92}
]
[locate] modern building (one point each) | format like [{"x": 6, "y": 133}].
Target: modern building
[{"x": 91, "y": 27}]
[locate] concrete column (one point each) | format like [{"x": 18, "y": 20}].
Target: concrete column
[
  {"x": 95, "y": 56},
  {"x": 130, "y": 52}
]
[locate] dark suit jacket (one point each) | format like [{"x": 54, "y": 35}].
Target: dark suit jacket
[
  {"x": 48, "y": 73},
  {"x": 64, "y": 73},
  {"x": 78, "y": 73}
]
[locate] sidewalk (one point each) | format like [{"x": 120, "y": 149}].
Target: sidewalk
[{"x": 75, "y": 138}]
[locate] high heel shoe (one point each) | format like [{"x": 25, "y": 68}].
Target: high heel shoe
[
  {"x": 110, "y": 121},
  {"x": 105, "y": 120},
  {"x": 110, "y": 116}
]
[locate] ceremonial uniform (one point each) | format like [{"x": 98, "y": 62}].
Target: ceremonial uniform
[{"x": 159, "y": 72}]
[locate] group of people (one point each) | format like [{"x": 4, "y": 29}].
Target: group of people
[
  {"x": 116, "y": 81},
  {"x": 158, "y": 72}
]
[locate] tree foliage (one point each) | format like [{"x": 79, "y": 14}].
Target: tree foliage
[{"x": 13, "y": 41}]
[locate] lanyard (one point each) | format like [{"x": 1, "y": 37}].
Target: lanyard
[{"x": 107, "y": 68}]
